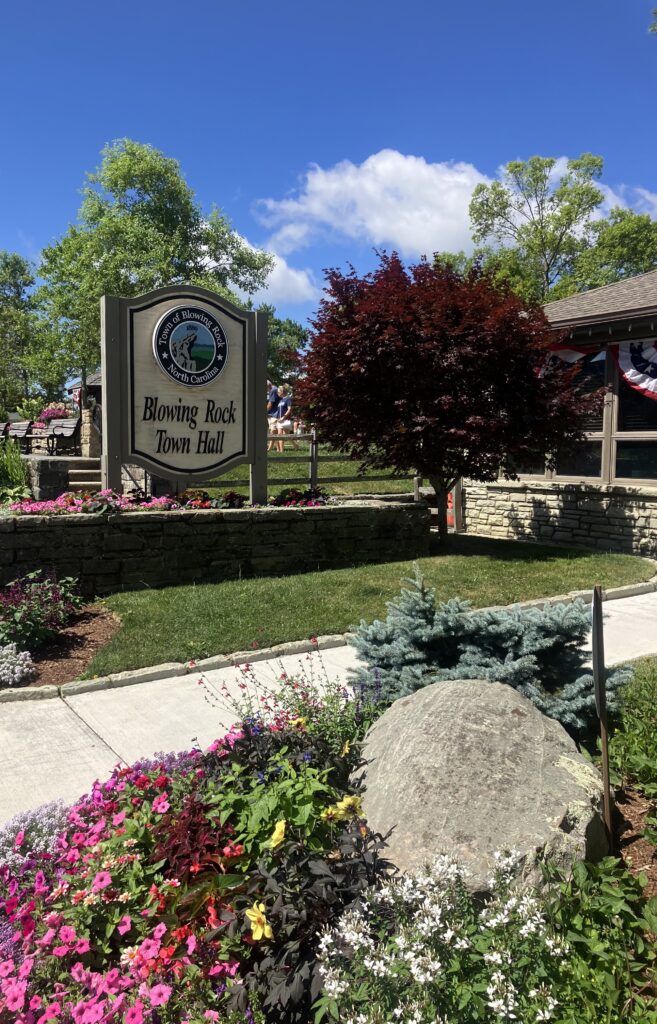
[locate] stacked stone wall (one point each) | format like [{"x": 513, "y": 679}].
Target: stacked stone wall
[
  {"x": 149, "y": 549},
  {"x": 609, "y": 518}
]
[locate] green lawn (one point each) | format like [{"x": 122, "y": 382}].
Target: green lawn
[
  {"x": 179, "y": 623},
  {"x": 279, "y": 470}
]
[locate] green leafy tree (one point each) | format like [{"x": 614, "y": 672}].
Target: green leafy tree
[
  {"x": 623, "y": 245},
  {"x": 287, "y": 342},
  {"x": 139, "y": 227},
  {"x": 17, "y": 328},
  {"x": 536, "y": 221}
]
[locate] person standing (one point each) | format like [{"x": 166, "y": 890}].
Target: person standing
[{"x": 273, "y": 400}]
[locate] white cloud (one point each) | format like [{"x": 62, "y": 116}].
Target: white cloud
[
  {"x": 647, "y": 201},
  {"x": 390, "y": 199},
  {"x": 287, "y": 284}
]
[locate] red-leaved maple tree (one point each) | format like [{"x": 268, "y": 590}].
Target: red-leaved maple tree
[{"x": 425, "y": 370}]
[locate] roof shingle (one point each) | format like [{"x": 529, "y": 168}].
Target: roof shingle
[{"x": 629, "y": 297}]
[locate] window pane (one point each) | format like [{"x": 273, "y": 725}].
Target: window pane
[
  {"x": 637, "y": 459},
  {"x": 530, "y": 467},
  {"x": 635, "y": 411},
  {"x": 586, "y": 460},
  {"x": 590, "y": 378}
]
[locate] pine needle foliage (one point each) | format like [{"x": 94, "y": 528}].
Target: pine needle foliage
[{"x": 537, "y": 651}]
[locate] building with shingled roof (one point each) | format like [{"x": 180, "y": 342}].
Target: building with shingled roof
[{"x": 603, "y": 495}]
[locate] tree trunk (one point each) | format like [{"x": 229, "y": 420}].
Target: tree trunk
[{"x": 441, "y": 495}]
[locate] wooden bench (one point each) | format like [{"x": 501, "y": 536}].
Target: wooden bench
[
  {"x": 63, "y": 435},
  {"x": 20, "y": 431},
  {"x": 3, "y": 428}
]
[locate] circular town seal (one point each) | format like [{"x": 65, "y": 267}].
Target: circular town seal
[{"x": 190, "y": 346}]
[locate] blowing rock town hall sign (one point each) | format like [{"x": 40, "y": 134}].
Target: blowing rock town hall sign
[{"x": 184, "y": 379}]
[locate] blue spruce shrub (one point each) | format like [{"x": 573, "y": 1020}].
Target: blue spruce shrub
[{"x": 537, "y": 651}]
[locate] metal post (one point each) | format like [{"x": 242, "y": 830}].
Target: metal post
[
  {"x": 258, "y": 468},
  {"x": 313, "y": 468},
  {"x": 417, "y": 483},
  {"x": 599, "y": 683}
]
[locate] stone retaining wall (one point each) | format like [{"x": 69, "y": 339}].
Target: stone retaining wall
[
  {"x": 609, "y": 518},
  {"x": 147, "y": 549},
  {"x": 48, "y": 475}
]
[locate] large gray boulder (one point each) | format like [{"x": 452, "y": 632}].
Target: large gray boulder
[{"x": 471, "y": 767}]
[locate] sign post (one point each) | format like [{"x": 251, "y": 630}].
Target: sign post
[
  {"x": 599, "y": 684},
  {"x": 184, "y": 384}
]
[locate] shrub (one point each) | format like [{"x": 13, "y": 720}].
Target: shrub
[
  {"x": 633, "y": 747},
  {"x": 423, "y": 950},
  {"x": 15, "y": 666},
  {"x": 294, "y": 496},
  {"x": 35, "y": 607},
  {"x": 537, "y": 651},
  {"x": 14, "y": 477}
]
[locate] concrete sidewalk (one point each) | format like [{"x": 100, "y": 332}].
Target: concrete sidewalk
[{"x": 58, "y": 747}]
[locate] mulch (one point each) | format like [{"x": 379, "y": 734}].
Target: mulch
[
  {"x": 639, "y": 855},
  {"x": 64, "y": 658}
]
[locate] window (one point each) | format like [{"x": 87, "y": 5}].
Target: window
[{"x": 621, "y": 441}]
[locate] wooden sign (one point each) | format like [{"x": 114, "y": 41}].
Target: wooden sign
[{"x": 184, "y": 384}]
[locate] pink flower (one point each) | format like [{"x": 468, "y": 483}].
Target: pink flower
[
  {"x": 6, "y": 968},
  {"x": 135, "y": 1014},
  {"x": 66, "y": 933},
  {"x": 191, "y": 944},
  {"x": 15, "y": 995},
  {"x": 159, "y": 931},
  {"x": 124, "y": 925},
  {"x": 160, "y": 804},
  {"x": 228, "y": 967},
  {"x": 211, "y": 1015},
  {"x": 82, "y": 946},
  {"x": 46, "y": 938},
  {"x": 36, "y": 1002},
  {"x": 60, "y": 950},
  {"x": 159, "y": 995},
  {"x": 51, "y": 1012},
  {"x": 78, "y": 972},
  {"x": 26, "y": 968},
  {"x": 18, "y": 841},
  {"x": 119, "y": 818},
  {"x": 101, "y": 881},
  {"x": 149, "y": 949}
]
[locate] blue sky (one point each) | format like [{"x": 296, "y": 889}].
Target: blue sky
[{"x": 322, "y": 130}]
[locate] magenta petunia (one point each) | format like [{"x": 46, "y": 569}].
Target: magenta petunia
[
  {"x": 124, "y": 925},
  {"x": 135, "y": 1015},
  {"x": 101, "y": 881},
  {"x": 159, "y": 995}
]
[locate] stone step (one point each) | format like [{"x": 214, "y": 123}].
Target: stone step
[
  {"x": 84, "y": 473},
  {"x": 79, "y": 463},
  {"x": 84, "y": 485}
]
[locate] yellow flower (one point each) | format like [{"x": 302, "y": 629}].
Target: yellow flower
[
  {"x": 260, "y": 928},
  {"x": 278, "y": 835},
  {"x": 297, "y": 723},
  {"x": 346, "y": 748},
  {"x": 348, "y": 807}
]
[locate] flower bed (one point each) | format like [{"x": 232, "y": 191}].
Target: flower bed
[
  {"x": 191, "y": 887},
  {"x": 100, "y": 502},
  {"x": 242, "y": 886}
]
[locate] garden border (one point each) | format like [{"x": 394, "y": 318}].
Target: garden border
[{"x": 175, "y": 669}]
